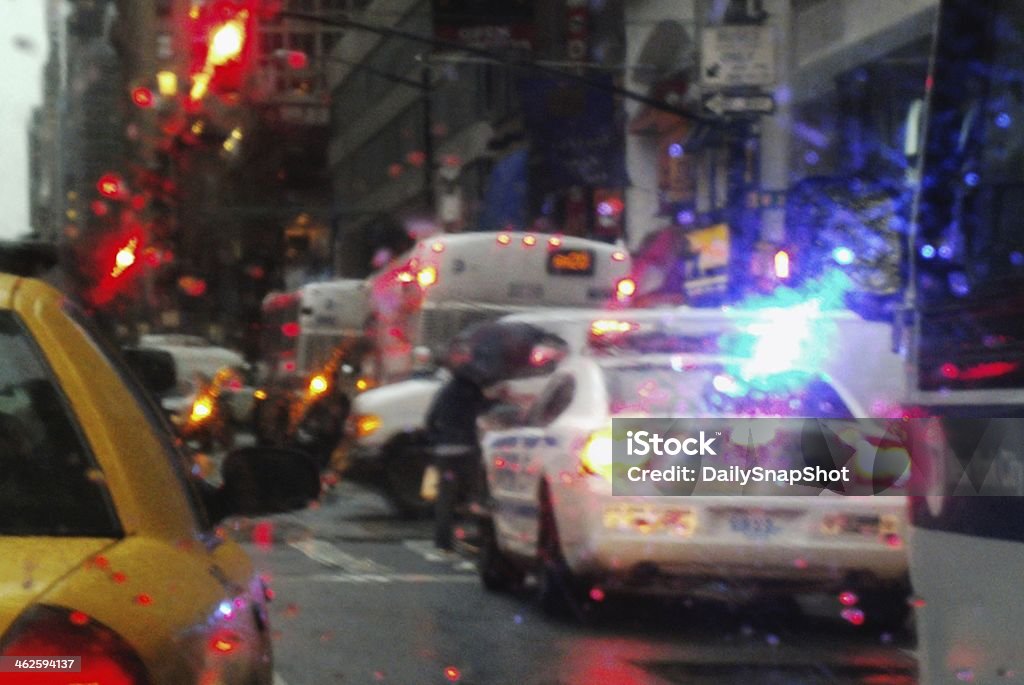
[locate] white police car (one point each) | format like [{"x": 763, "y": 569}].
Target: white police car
[{"x": 551, "y": 508}]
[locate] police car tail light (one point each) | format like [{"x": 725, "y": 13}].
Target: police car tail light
[
  {"x": 596, "y": 455},
  {"x": 426, "y": 277},
  {"x": 51, "y": 634},
  {"x": 610, "y": 327}
]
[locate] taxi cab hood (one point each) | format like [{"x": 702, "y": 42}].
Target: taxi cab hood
[{"x": 29, "y": 566}]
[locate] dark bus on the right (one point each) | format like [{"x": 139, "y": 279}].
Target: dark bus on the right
[{"x": 966, "y": 349}]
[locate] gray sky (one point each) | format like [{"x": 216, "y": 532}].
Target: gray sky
[{"x": 22, "y": 56}]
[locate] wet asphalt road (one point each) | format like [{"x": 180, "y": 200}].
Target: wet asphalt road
[{"x": 361, "y": 597}]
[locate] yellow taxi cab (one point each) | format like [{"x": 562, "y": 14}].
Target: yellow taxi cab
[{"x": 109, "y": 550}]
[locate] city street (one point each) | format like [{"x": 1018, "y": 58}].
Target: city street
[{"x": 362, "y": 597}]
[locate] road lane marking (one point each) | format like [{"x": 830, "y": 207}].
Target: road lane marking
[{"x": 325, "y": 553}]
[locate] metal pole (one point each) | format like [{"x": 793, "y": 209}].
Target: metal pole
[{"x": 428, "y": 140}]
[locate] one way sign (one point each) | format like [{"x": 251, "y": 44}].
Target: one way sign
[{"x": 721, "y": 104}]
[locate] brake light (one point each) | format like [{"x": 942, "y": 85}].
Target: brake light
[
  {"x": 625, "y": 289},
  {"x": 427, "y": 276},
  {"x": 45, "y": 631},
  {"x": 596, "y": 455}
]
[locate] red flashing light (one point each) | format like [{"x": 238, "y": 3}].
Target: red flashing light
[
  {"x": 142, "y": 97},
  {"x": 949, "y": 371},
  {"x": 290, "y": 329},
  {"x": 988, "y": 370}
]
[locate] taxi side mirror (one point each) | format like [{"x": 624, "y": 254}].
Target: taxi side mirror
[{"x": 267, "y": 480}]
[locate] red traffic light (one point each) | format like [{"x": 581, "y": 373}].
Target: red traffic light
[
  {"x": 221, "y": 46},
  {"x": 142, "y": 96},
  {"x": 111, "y": 185}
]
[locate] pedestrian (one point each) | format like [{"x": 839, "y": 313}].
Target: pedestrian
[{"x": 455, "y": 448}]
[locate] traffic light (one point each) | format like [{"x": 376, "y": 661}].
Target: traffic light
[
  {"x": 142, "y": 97},
  {"x": 111, "y": 185},
  {"x": 221, "y": 46},
  {"x": 125, "y": 257}
]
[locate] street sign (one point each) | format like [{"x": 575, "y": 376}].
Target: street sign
[
  {"x": 735, "y": 56},
  {"x": 722, "y": 104}
]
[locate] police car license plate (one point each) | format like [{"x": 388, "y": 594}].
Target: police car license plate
[{"x": 756, "y": 525}]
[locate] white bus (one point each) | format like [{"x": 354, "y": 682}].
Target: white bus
[
  {"x": 317, "y": 331},
  {"x": 966, "y": 342},
  {"x": 447, "y": 282}
]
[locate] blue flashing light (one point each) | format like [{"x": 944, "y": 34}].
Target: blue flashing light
[
  {"x": 225, "y": 609},
  {"x": 843, "y": 256},
  {"x": 727, "y": 385},
  {"x": 928, "y": 251},
  {"x": 946, "y": 251},
  {"x": 685, "y": 217},
  {"x": 1017, "y": 258},
  {"x": 1003, "y": 120},
  {"x": 675, "y": 150},
  {"x": 972, "y": 179},
  {"x": 604, "y": 209},
  {"x": 812, "y": 157}
]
